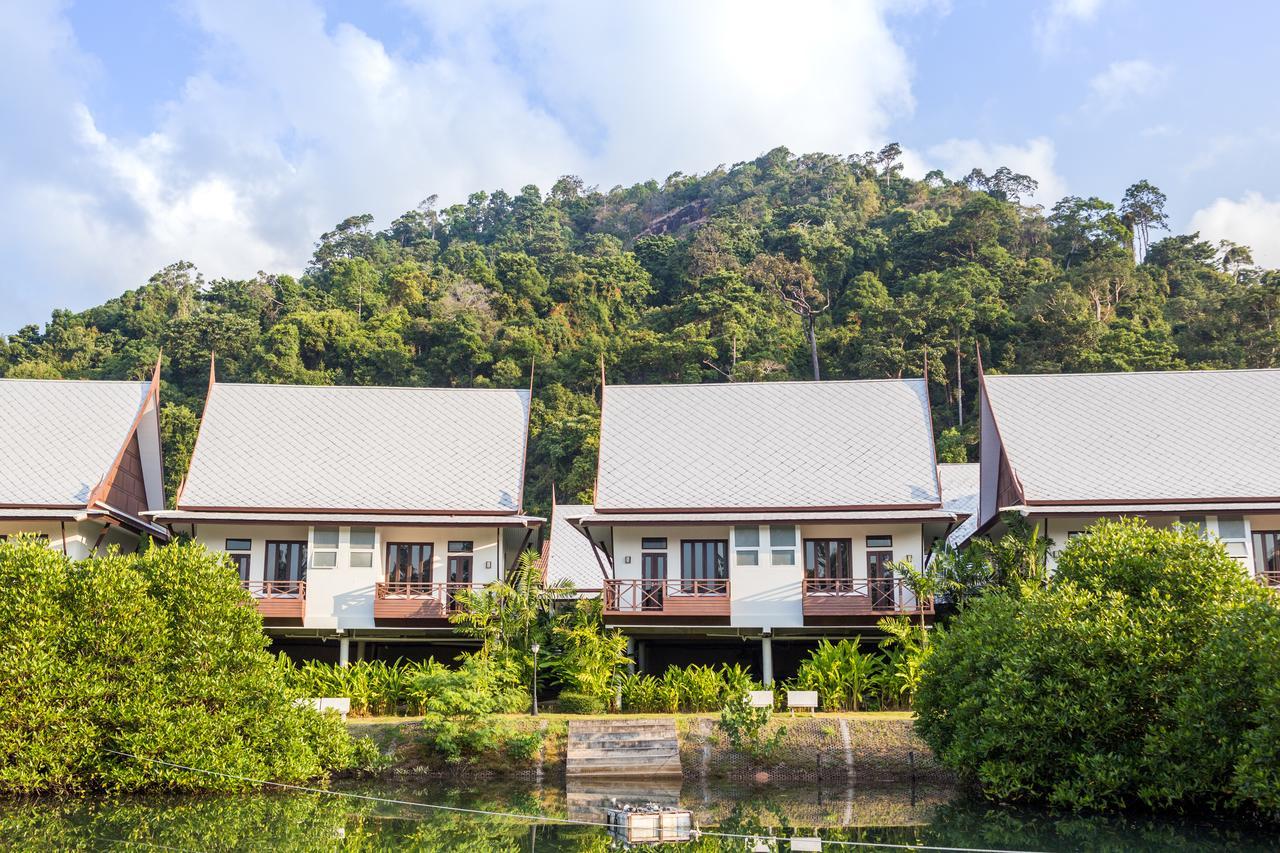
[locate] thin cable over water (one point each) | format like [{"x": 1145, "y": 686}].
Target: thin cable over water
[{"x": 544, "y": 818}]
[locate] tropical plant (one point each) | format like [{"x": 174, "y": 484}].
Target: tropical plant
[
  {"x": 744, "y": 726},
  {"x": 906, "y": 648},
  {"x": 111, "y": 663},
  {"x": 843, "y": 675},
  {"x": 459, "y": 707},
  {"x": 692, "y": 689},
  {"x": 588, "y": 659},
  {"x": 1142, "y": 675}
]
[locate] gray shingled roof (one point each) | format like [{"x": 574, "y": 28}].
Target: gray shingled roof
[
  {"x": 359, "y": 448},
  {"x": 766, "y": 445},
  {"x": 569, "y": 553},
  {"x": 959, "y": 487},
  {"x": 58, "y": 438},
  {"x": 1141, "y": 437}
]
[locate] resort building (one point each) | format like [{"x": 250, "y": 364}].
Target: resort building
[
  {"x": 1196, "y": 447},
  {"x": 742, "y": 522},
  {"x": 567, "y": 554},
  {"x": 355, "y": 515},
  {"x": 80, "y": 463}
]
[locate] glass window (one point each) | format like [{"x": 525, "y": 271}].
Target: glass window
[
  {"x": 325, "y": 559},
  {"x": 239, "y": 545},
  {"x": 460, "y": 547},
  {"x": 1194, "y": 521},
  {"x": 746, "y": 536},
  {"x": 325, "y": 537},
  {"x": 655, "y": 543},
  {"x": 782, "y": 535},
  {"x": 783, "y": 557},
  {"x": 361, "y": 559},
  {"x": 362, "y": 537},
  {"x": 879, "y": 541},
  {"x": 827, "y": 558},
  {"x": 409, "y": 562},
  {"x": 748, "y": 558},
  {"x": 704, "y": 559},
  {"x": 286, "y": 561},
  {"x": 1231, "y": 527}
]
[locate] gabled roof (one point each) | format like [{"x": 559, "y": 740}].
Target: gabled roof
[
  {"x": 570, "y": 555},
  {"x": 317, "y": 448},
  {"x": 60, "y": 438},
  {"x": 766, "y": 445},
  {"x": 959, "y": 487},
  {"x": 1114, "y": 438}
]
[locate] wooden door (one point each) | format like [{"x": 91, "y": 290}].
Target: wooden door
[
  {"x": 653, "y": 569},
  {"x": 880, "y": 579},
  {"x": 459, "y": 573}
]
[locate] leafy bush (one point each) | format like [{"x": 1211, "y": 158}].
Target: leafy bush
[
  {"x": 844, "y": 676},
  {"x": 744, "y": 727},
  {"x": 1143, "y": 674},
  {"x": 459, "y": 707},
  {"x": 588, "y": 659},
  {"x": 692, "y": 689},
  {"x": 576, "y": 702},
  {"x": 159, "y": 654},
  {"x": 374, "y": 687}
]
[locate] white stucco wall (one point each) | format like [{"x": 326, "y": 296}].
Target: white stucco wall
[
  {"x": 342, "y": 597},
  {"x": 79, "y": 536},
  {"x": 765, "y": 595}
]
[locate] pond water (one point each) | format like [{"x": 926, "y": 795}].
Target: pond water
[{"x": 906, "y": 815}]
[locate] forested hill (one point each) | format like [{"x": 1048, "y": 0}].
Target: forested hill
[{"x": 709, "y": 278}]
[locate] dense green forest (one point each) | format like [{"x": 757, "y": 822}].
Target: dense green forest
[{"x": 781, "y": 267}]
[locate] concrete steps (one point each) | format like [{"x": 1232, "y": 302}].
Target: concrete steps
[{"x": 623, "y": 748}]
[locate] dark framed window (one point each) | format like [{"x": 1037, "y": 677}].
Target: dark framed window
[
  {"x": 461, "y": 547},
  {"x": 409, "y": 562},
  {"x": 827, "y": 558},
  {"x": 239, "y": 545},
  {"x": 704, "y": 559},
  {"x": 286, "y": 561},
  {"x": 653, "y": 543},
  {"x": 1266, "y": 555},
  {"x": 879, "y": 542}
]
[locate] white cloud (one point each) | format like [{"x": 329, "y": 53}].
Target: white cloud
[
  {"x": 1253, "y": 221},
  {"x": 1061, "y": 15},
  {"x": 1035, "y": 158},
  {"x": 293, "y": 121},
  {"x": 1124, "y": 81}
]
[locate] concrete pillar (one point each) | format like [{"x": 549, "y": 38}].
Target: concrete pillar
[
  {"x": 631, "y": 653},
  {"x": 640, "y": 655},
  {"x": 360, "y": 649},
  {"x": 766, "y": 660},
  {"x": 344, "y": 651}
]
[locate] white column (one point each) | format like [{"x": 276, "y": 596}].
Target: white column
[
  {"x": 359, "y": 649},
  {"x": 766, "y": 660},
  {"x": 344, "y": 651},
  {"x": 640, "y": 655},
  {"x": 631, "y": 653}
]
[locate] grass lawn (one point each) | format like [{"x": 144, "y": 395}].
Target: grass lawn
[{"x": 852, "y": 715}]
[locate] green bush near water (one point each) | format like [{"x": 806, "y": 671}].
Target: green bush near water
[
  {"x": 159, "y": 654},
  {"x": 1145, "y": 673}
]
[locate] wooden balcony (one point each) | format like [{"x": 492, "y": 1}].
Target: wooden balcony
[
  {"x": 279, "y": 602},
  {"x": 828, "y": 598},
  {"x": 672, "y": 598},
  {"x": 401, "y": 603}
]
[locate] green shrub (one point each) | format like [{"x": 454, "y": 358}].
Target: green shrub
[
  {"x": 574, "y": 702},
  {"x": 159, "y": 654},
  {"x": 744, "y": 727},
  {"x": 588, "y": 659},
  {"x": 459, "y": 707},
  {"x": 691, "y": 689},
  {"x": 844, "y": 676},
  {"x": 1143, "y": 674},
  {"x": 374, "y": 687}
]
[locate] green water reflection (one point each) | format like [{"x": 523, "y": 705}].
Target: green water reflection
[{"x": 288, "y": 822}]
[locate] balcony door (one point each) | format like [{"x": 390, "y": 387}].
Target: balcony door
[
  {"x": 704, "y": 566},
  {"x": 409, "y": 562},
  {"x": 828, "y": 560},
  {"x": 286, "y": 561},
  {"x": 880, "y": 579},
  {"x": 653, "y": 571}
]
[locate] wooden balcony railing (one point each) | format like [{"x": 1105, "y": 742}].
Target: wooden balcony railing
[
  {"x": 401, "y": 600},
  {"x": 861, "y": 597},
  {"x": 1271, "y": 579},
  {"x": 667, "y": 597},
  {"x": 279, "y": 600}
]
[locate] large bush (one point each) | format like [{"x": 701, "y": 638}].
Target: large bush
[
  {"x": 1144, "y": 674},
  {"x": 159, "y": 654}
]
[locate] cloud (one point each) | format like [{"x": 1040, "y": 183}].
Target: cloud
[
  {"x": 1253, "y": 221},
  {"x": 1052, "y": 26},
  {"x": 1124, "y": 81},
  {"x": 293, "y": 120},
  {"x": 1035, "y": 158}
]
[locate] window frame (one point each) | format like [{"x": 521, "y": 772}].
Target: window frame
[
  {"x": 809, "y": 568},
  {"x": 268, "y": 575},
  {"x": 391, "y": 564},
  {"x": 690, "y": 546}
]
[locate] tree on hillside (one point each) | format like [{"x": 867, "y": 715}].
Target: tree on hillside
[
  {"x": 795, "y": 285},
  {"x": 1143, "y": 210}
]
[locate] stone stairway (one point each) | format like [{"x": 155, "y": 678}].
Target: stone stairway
[{"x": 622, "y": 748}]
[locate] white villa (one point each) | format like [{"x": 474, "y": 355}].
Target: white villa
[
  {"x": 1197, "y": 447},
  {"x": 81, "y": 463},
  {"x": 741, "y": 522},
  {"x": 358, "y": 513}
]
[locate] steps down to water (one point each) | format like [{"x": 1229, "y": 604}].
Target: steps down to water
[{"x": 622, "y": 748}]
